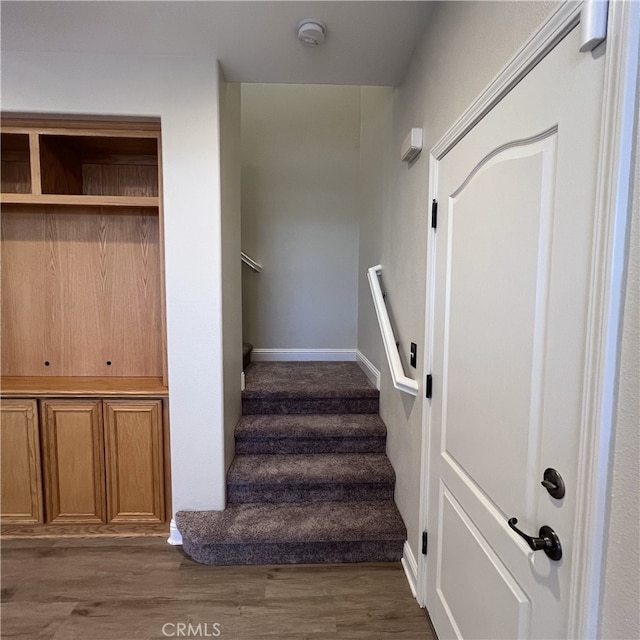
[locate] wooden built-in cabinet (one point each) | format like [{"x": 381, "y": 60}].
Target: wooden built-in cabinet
[{"x": 84, "y": 419}]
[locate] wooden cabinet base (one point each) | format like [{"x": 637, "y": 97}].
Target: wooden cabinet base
[
  {"x": 86, "y": 466},
  {"x": 15, "y": 531}
]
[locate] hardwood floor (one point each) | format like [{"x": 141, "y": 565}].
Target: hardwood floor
[{"x": 142, "y": 589}]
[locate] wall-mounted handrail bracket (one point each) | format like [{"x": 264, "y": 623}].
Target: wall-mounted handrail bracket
[
  {"x": 400, "y": 380},
  {"x": 250, "y": 262}
]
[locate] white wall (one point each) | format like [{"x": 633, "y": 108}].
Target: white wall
[
  {"x": 300, "y": 215},
  {"x": 621, "y": 595},
  {"x": 229, "y": 113},
  {"x": 376, "y": 161},
  {"x": 183, "y": 92}
]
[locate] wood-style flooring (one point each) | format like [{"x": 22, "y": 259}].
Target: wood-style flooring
[{"x": 142, "y": 589}]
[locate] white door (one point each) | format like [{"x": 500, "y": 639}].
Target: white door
[{"x": 512, "y": 266}]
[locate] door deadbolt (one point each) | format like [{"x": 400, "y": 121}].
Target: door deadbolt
[{"x": 553, "y": 483}]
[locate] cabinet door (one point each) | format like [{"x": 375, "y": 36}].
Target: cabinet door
[
  {"x": 20, "y": 463},
  {"x": 73, "y": 461},
  {"x": 135, "y": 461}
]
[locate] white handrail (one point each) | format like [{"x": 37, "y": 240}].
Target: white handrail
[
  {"x": 400, "y": 380},
  {"x": 250, "y": 262}
]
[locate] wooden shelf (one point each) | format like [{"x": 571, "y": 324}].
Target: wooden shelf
[
  {"x": 144, "y": 202},
  {"x": 76, "y": 387},
  {"x": 84, "y": 126}
]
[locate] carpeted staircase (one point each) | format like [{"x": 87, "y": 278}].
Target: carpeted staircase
[{"x": 310, "y": 482}]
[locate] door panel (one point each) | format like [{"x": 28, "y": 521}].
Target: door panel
[
  {"x": 477, "y": 338},
  {"x": 511, "y": 285},
  {"x": 135, "y": 463},
  {"x": 73, "y": 461},
  {"x": 465, "y": 549},
  {"x": 20, "y": 465}
]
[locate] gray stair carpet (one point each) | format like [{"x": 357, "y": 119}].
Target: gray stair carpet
[
  {"x": 308, "y": 388},
  {"x": 308, "y": 532},
  {"x": 310, "y": 477},
  {"x": 339, "y": 433},
  {"x": 310, "y": 482}
]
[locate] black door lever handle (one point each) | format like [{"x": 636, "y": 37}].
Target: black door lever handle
[{"x": 547, "y": 542}]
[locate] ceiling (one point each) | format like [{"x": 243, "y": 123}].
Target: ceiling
[{"x": 368, "y": 42}]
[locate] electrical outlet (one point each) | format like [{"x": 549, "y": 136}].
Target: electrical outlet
[{"x": 413, "y": 355}]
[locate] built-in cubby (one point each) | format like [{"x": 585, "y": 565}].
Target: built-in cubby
[
  {"x": 98, "y": 165},
  {"x": 15, "y": 170},
  {"x": 55, "y": 163},
  {"x": 83, "y": 329}
]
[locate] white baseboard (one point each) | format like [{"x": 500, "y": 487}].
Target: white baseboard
[
  {"x": 307, "y": 355},
  {"x": 175, "y": 537},
  {"x": 410, "y": 567},
  {"x": 370, "y": 371}
]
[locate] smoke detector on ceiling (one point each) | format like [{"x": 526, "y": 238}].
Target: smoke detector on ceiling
[{"x": 311, "y": 32}]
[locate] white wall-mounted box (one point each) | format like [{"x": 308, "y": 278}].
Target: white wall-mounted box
[{"x": 412, "y": 145}]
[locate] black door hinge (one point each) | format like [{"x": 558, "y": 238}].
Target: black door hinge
[
  {"x": 434, "y": 214},
  {"x": 428, "y": 390},
  {"x": 425, "y": 537}
]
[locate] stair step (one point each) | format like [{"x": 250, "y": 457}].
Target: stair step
[
  {"x": 310, "y": 477},
  {"x": 316, "y": 532},
  {"x": 308, "y": 388},
  {"x": 338, "y": 433},
  {"x": 285, "y": 406}
]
